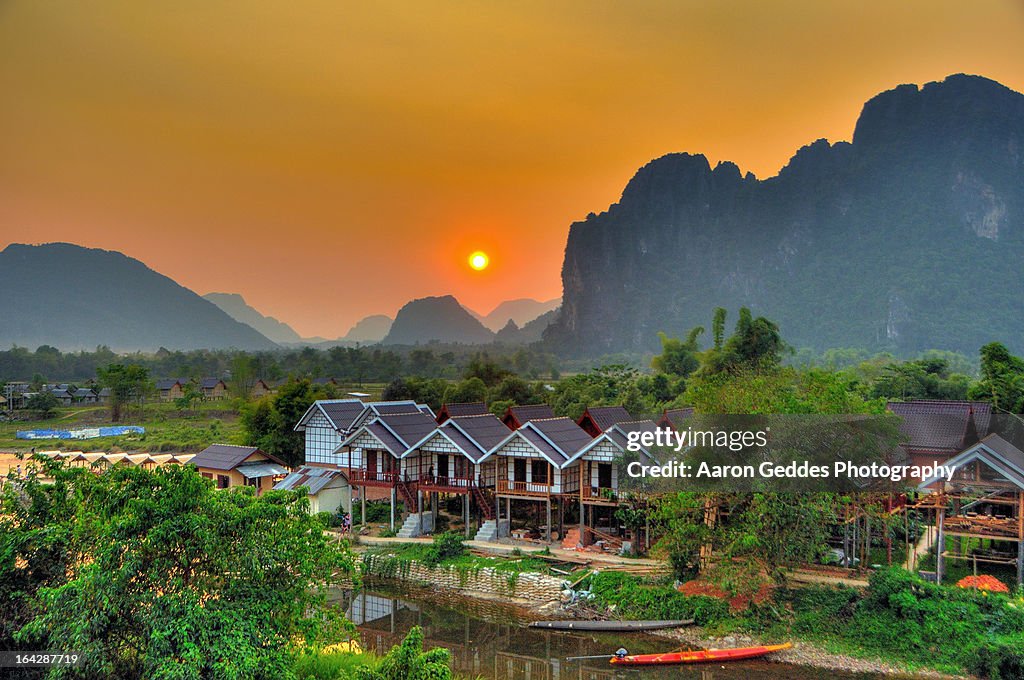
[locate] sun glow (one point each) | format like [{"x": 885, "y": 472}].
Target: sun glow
[{"x": 479, "y": 260}]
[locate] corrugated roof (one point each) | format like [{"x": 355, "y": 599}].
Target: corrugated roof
[
  {"x": 606, "y": 416},
  {"x": 941, "y": 425},
  {"x": 524, "y": 414},
  {"x": 255, "y": 470},
  {"x": 486, "y": 430},
  {"x": 222, "y": 456},
  {"x": 313, "y": 478}
]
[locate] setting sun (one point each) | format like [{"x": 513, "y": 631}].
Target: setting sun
[{"x": 479, "y": 260}]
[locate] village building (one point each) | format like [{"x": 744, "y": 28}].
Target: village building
[
  {"x": 597, "y": 419},
  {"x": 474, "y": 408},
  {"x": 84, "y": 395},
  {"x": 229, "y": 466},
  {"x": 328, "y": 490},
  {"x": 170, "y": 389},
  {"x": 934, "y": 431},
  {"x": 63, "y": 396},
  {"x": 103, "y": 396},
  {"x": 261, "y": 388},
  {"x": 675, "y": 418},
  {"x": 517, "y": 416},
  {"x": 979, "y": 513},
  {"x": 213, "y": 388},
  {"x": 535, "y": 464},
  {"x": 376, "y": 456}
]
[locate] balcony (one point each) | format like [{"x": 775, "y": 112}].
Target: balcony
[
  {"x": 447, "y": 484},
  {"x": 374, "y": 478},
  {"x": 600, "y": 495}
]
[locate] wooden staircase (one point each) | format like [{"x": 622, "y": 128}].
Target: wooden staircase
[
  {"x": 407, "y": 491},
  {"x": 485, "y": 501}
]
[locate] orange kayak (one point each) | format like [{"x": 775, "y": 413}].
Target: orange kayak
[{"x": 700, "y": 656}]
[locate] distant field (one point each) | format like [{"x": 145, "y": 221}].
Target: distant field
[{"x": 167, "y": 429}]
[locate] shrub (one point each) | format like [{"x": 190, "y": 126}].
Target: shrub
[
  {"x": 446, "y": 546},
  {"x": 408, "y": 661},
  {"x": 634, "y": 600}
]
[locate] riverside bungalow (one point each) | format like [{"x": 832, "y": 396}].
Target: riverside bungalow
[
  {"x": 375, "y": 455},
  {"x": 979, "y": 513},
  {"x": 328, "y": 490},
  {"x": 213, "y": 388},
  {"x": 534, "y": 463},
  {"x": 473, "y": 408},
  {"x": 231, "y": 466},
  {"x": 517, "y": 416},
  {"x": 597, "y": 419},
  {"x": 450, "y": 461},
  {"x": 934, "y": 431},
  {"x": 675, "y": 418}
]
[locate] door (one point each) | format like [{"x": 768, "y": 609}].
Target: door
[
  {"x": 442, "y": 465},
  {"x": 604, "y": 475},
  {"x": 519, "y": 470},
  {"x": 371, "y": 464}
]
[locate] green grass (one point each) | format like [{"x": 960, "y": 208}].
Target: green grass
[
  {"x": 422, "y": 552},
  {"x": 167, "y": 429}
]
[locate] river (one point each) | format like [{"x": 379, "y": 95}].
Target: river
[{"x": 491, "y": 640}]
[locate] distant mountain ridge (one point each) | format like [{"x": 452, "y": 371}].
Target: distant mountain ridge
[
  {"x": 235, "y": 306},
  {"x": 370, "y": 329},
  {"x": 521, "y": 311},
  {"x": 909, "y": 238},
  {"x": 73, "y": 298},
  {"x": 441, "y": 319}
]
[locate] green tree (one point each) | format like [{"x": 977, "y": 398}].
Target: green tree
[
  {"x": 1002, "y": 378},
  {"x": 43, "y": 404},
  {"x": 408, "y": 661},
  {"x": 270, "y": 423},
  {"x": 156, "y": 574},
  {"x": 128, "y": 384},
  {"x": 471, "y": 389}
]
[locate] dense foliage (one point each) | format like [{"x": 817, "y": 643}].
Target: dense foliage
[{"x": 155, "y": 574}]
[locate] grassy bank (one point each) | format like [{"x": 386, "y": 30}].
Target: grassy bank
[
  {"x": 899, "y": 618},
  {"x": 168, "y": 429}
]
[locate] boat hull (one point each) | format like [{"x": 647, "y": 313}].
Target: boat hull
[
  {"x": 610, "y": 626},
  {"x": 700, "y": 656}
]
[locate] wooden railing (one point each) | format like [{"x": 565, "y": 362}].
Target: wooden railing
[
  {"x": 505, "y": 486},
  {"x": 374, "y": 477},
  {"x": 602, "y": 494},
  {"x": 447, "y": 482}
]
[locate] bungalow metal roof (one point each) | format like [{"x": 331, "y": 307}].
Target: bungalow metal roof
[
  {"x": 942, "y": 425},
  {"x": 227, "y": 456},
  {"x": 526, "y": 413},
  {"x": 341, "y": 413},
  {"x": 313, "y": 478},
  {"x": 486, "y": 430},
  {"x": 556, "y": 439},
  {"x": 993, "y": 451},
  {"x": 84, "y": 392},
  {"x": 397, "y": 433},
  {"x": 464, "y": 408},
  {"x": 675, "y": 417},
  {"x": 619, "y": 432},
  {"x": 210, "y": 383},
  {"x": 606, "y": 416},
  {"x": 168, "y": 383}
]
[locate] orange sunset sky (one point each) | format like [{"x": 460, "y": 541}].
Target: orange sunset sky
[{"x": 331, "y": 159}]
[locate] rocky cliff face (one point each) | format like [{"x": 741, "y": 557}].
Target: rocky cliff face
[{"x": 910, "y": 237}]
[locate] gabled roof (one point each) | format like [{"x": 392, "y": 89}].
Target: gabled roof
[
  {"x": 84, "y": 392},
  {"x": 61, "y": 394},
  {"x": 471, "y": 408},
  {"x": 227, "y": 456},
  {"x": 556, "y": 439},
  {"x": 341, "y": 413},
  {"x": 993, "y": 451},
  {"x": 604, "y": 417},
  {"x": 210, "y": 383},
  {"x": 376, "y": 409},
  {"x": 619, "y": 432},
  {"x": 313, "y": 478},
  {"x": 486, "y": 430},
  {"x": 517, "y": 416},
  {"x": 397, "y": 433},
  {"x": 675, "y": 417},
  {"x": 946, "y": 426},
  {"x": 168, "y": 383}
]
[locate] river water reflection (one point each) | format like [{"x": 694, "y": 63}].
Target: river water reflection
[{"x": 491, "y": 641}]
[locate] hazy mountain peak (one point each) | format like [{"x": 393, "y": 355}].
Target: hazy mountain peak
[{"x": 235, "y": 306}]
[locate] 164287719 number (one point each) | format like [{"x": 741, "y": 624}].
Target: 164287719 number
[{"x": 39, "y": 659}]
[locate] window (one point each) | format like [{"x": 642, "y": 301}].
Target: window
[
  {"x": 223, "y": 481},
  {"x": 539, "y": 471},
  {"x": 207, "y": 475}
]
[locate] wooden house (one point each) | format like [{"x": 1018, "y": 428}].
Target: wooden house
[
  {"x": 475, "y": 408},
  {"x": 327, "y": 422},
  {"x": 213, "y": 388},
  {"x": 517, "y": 416},
  {"x": 376, "y": 456},
  {"x": 597, "y": 419},
  {"x": 675, "y": 418},
  {"x": 935, "y": 431},
  {"x": 170, "y": 389},
  {"x": 535, "y": 463},
  {"x": 328, "y": 490},
  {"x": 63, "y": 396},
  {"x": 231, "y": 466},
  {"x": 979, "y": 513},
  {"x": 84, "y": 395},
  {"x": 103, "y": 396},
  {"x": 260, "y": 389}
]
